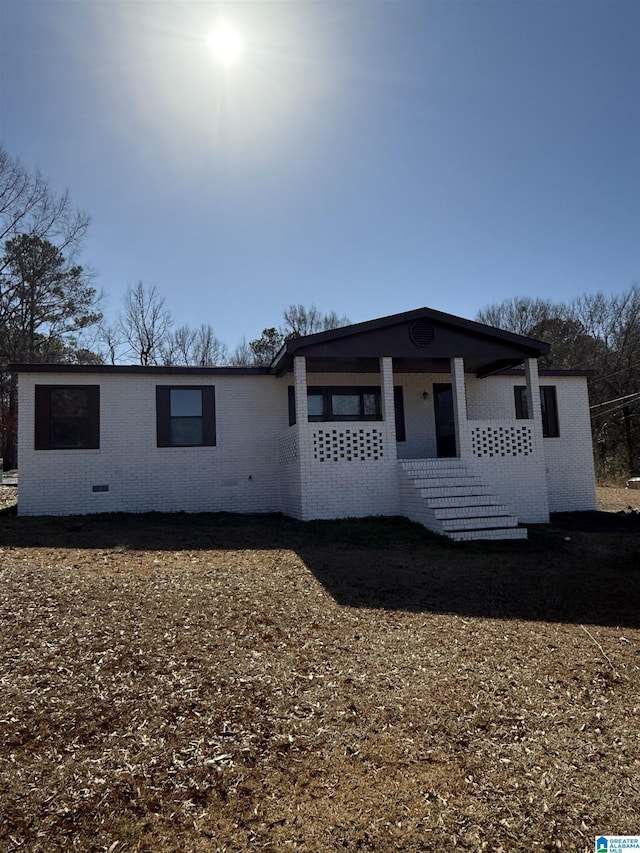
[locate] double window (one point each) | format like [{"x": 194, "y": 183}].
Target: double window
[
  {"x": 67, "y": 417},
  {"x": 185, "y": 416},
  {"x": 548, "y": 405},
  {"x": 344, "y": 403},
  {"x": 348, "y": 403}
]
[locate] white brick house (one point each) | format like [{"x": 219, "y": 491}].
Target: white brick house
[{"x": 422, "y": 414}]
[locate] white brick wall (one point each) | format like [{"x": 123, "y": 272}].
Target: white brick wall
[
  {"x": 339, "y": 487},
  {"x": 290, "y": 496},
  {"x": 343, "y": 488},
  {"x": 260, "y": 464},
  {"x": 570, "y": 470},
  {"x": 568, "y": 460},
  {"x": 519, "y": 482},
  {"x": 492, "y": 398},
  {"x": 240, "y": 474}
]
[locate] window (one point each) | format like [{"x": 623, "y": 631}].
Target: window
[
  {"x": 398, "y": 403},
  {"x": 185, "y": 416},
  {"x": 548, "y": 405},
  {"x": 344, "y": 404},
  {"x": 316, "y": 406},
  {"x": 291, "y": 392},
  {"x": 67, "y": 417},
  {"x": 348, "y": 404}
]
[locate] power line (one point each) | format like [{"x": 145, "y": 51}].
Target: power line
[
  {"x": 610, "y": 411},
  {"x": 617, "y": 399}
]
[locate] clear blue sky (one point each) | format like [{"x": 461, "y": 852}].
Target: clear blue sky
[{"x": 368, "y": 157}]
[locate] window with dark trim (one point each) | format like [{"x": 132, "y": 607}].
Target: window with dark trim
[
  {"x": 398, "y": 402},
  {"x": 344, "y": 403},
  {"x": 321, "y": 401},
  {"x": 548, "y": 405},
  {"x": 67, "y": 417},
  {"x": 292, "y": 404},
  {"x": 522, "y": 402},
  {"x": 185, "y": 415}
]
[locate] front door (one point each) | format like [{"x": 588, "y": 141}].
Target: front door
[{"x": 445, "y": 424}]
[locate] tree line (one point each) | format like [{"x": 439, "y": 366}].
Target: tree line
[
  {"x": 144, "y": 333},
  {"x": 601, "y": 334},
  {"x": 50, "y": 312}
]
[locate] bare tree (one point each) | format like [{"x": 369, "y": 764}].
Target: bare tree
[
  {"x": 572, "y": 346},
  {"x": 144, "y": 324},
  {"x": 28, "y": 205},
  {"x": 109, "y": 337},
  {"x": 599, "y": 333},
  {"x": 299, "y": 321},
  {"x": 242, "y": 356},
  {"x": 615, "y": 388},
  {"x": 188, "y": 346},
  {"x": 208, "y": 350},
  {"x": 333, "y": 321},
  {"x": 519, "y": 314}
]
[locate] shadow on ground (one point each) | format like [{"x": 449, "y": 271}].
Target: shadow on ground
[{"x": 582, "y": 568}]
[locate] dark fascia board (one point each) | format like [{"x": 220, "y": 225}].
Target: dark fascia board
[
  {"x": 549, "y": 372},
  {"x": 129, "y": 369},
  {"x": 136, "y": 369},
  {"x": 290, "y": 347},
  {"x": 500, "y": 366}
]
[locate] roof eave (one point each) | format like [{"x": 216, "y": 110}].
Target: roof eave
[{"x": 136, "y": 369}]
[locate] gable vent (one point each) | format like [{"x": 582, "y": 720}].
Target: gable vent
[{"x": 422, "y": 333}]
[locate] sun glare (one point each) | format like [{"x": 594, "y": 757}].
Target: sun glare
[{"x": 225, "y": 44}]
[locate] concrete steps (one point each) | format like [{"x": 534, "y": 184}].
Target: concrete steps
[{"x": 445, "y": 497}]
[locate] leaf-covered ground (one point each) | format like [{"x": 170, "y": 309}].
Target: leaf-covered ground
[{"x": 220, "y": 683}]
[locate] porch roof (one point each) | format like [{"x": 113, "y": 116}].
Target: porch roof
[{"x": 419, "y": 341}]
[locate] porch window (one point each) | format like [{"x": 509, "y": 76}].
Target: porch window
[
  {"x": 398, "y": 404},
  {"x": 354, "y": 404},
  {"x": 548, "y": 405},
  {"x": 344, "y": 403},
  {"x": 316, "y": 406},
  {"x": 185, "y": 416},
  {"x": 67, "y": 417}
]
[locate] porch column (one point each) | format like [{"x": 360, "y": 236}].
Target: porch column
[
  {"x": 533, "y": 393},
  {"x": 388, "y": 407},
  {"x": 463, "y": 447},
  {"x": 300, "y": 386},
  {"x": 305, "y": 484}
]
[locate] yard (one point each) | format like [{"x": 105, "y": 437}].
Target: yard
[{"x": 221, "y": 683}]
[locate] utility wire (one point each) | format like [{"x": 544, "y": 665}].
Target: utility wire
[
  {"x": 606, "y": 402},
  {"x": 609, "y": 411}
]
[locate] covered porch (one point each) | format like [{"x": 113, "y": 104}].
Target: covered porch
[{"x": 361, "y": 425}]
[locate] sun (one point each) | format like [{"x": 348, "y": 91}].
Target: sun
[{"x": 226, "y": 44}]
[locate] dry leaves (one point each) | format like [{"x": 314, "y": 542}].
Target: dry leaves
[
  {"x": 220, "y": 684},
  {"x": 8, "y": 496}
]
